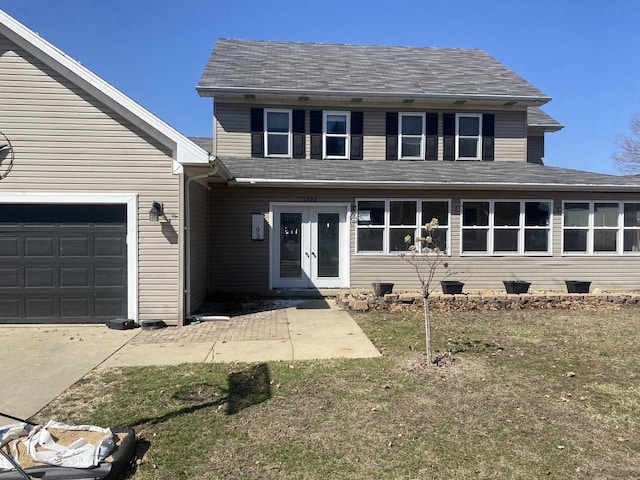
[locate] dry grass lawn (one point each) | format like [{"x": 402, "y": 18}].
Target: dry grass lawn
[{"x": 530, "y": 395}]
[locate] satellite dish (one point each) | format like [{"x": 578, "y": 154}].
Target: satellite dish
[{"x": 6, "y": 156}]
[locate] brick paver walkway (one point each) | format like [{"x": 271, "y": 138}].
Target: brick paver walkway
[{"x": 267, "y": 325}]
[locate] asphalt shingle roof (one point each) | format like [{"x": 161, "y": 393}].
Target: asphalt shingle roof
[
  {"x": 536, "y": 117},
  {"x": 360, "y": 69},
  {"x": 406, "y": 174}
]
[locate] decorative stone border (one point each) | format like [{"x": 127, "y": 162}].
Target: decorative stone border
[{"x": 364, "y": 301}]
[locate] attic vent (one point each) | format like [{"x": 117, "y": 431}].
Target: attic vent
[
  {"x": 356, "y": 100},
  {"x": 408, "y": 100},
  {"x": 303, "y": 97},
  {"x": 459, "y": 102},
  {"x": 509, "y": 104},
  {"x": 249, "y": 96}
]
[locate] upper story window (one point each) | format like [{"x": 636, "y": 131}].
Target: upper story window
[
  {"x": 468, "y": 136},
  {"x": 600, "y": 228},
  {"x": 277, "y": 133},
  {"x": 411, "y": 128},
  {"x": 336, "y": 131},
  {"x": 384, "y": 224},
  {"x": 506, "y": 227}
]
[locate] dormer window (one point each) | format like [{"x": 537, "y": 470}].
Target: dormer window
[
  {"x": 277, "y": 133},
  {"x": 411, "y": 127},
  {"x": 336, "y": 134},
  {"x": 468, "y": 136}
]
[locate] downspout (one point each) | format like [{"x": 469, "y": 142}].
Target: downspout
[{"x": 187, "y": 229}]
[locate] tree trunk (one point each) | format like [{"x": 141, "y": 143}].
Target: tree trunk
[{"x": 427, "y": 327}]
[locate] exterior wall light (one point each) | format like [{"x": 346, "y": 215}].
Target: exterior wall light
[{"x": 156, "y": 212}]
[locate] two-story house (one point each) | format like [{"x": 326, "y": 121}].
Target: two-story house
[
  {"x": 324, "y": 158},
  {"x": 330, "y": 155}
]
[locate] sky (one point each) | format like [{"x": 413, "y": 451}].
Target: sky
[{"x": 582, "y": 53}]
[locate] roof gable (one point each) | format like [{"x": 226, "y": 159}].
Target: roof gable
[
  {"x": 184, "y": 150},
  {"x": 366, "y": 70}
]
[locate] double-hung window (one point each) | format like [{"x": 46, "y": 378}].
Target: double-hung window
[
  {"x": 383, "y": 225},
  {"x": 506, "y": 227},
  {"x": 468, "y": 136},
  {"x": 600, "y": 228},
  {"x": 277, "y": 138},
  {"x": 336, "y": 131},
  {"x": 631, "y": 227},
  {"x": 411, "y": 138}
]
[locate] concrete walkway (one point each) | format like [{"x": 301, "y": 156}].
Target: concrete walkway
[
  {"x": 40, "y": 362},
  {"x": 312, "y": 330}
]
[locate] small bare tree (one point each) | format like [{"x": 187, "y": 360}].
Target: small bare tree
[
  {"x": 627, "y": 158},
  {"x": 424, "y": 255}
]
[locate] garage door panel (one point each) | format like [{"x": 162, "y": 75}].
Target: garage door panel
[
  {"x": 41, "y": 308},
  {"x": 109, "y": 246},
  {"x": 40, "y": 277},
  {"x": 39, "y": 246},
  {"x": 10, "y": 277},
  {"x": 9, "y": 246},
  {"x": 75, "y": 308},
  {"x": 109, "y": 277},
  {"x": 62, "y": 263},
  {"x": 75, "y": 277},
  {"x": 110, "y": 307},
  {"x": 74, "y": 246},
  {"x": 10, "y": 309}
]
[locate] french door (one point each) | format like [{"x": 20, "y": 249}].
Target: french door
[{"x": 310, "y": 247}]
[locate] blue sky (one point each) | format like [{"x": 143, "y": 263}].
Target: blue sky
[{"x": 582, "y": 53}]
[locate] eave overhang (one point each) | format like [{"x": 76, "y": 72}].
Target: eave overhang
[{"x": 406, "y": 97}]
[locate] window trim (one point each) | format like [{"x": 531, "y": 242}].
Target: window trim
[
  {"x": 346, "y": 135},
  {"x": 478, "y": 137},
  {"x": 591, "y": 229},
  {"x": 387, "y": 227},
  {"x": 289, "y": 133},
  {"x": 422, "y": 136},
  {"x": 522, "y": 228}
]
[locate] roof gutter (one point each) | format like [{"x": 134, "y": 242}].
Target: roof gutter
[
  {"x": 288, "y": 183},
  {"x": 211, "y": 91}
]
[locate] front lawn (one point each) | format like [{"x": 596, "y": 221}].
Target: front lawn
[{"x": 530, "y": 394}]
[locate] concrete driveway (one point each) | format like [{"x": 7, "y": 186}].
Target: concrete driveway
[{"x": 38, "y": 362}]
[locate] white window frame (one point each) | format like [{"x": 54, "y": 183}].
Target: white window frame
[
  {"x": 282, "y": 134},
  {"x": 591, "y": 228},
  {"x": 422, "y": 135},
  {"x": 387, "y": 227},
  {"x": 478, "y": 137},
  {"x": 346, "y": 135},
  {"x": 521, "y": 227}
]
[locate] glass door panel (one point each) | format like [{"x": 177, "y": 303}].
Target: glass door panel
[
  {"x": 291, "y": 245},
  {"x": 328, "y": 245}
]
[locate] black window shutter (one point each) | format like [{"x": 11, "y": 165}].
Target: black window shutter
[
  {"x": 449, "y": 136},
  {"x": 257, "y": 132},
  {"x": 488, "y": 135},
  {"x": 297, "y": 123},
  {"x": 356, "y": 136},
  {"x": 431, "y": 152},
  {"x": 315, "y": 129},
  {"x": 392, "y": 135}
]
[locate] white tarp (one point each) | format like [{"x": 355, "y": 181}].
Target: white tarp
[{"x": 42, "y": 447}]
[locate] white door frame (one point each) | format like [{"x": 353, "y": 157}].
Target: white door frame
[{"x": 306, "y": 236}]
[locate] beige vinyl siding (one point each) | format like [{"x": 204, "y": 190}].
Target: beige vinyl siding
[
  {"x": 67, "y": 141},
  {"x": 199, "y": 242},
  {"x": 233, "y": 130},
  {"x": 511, "y": 136},
  {"x": 239, "y": 264}
]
